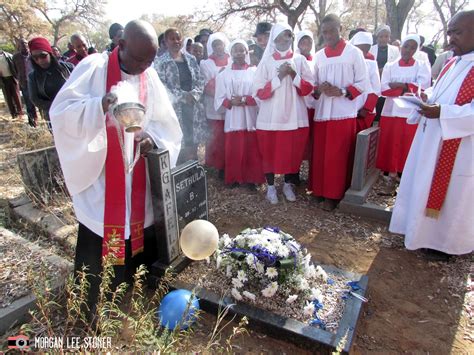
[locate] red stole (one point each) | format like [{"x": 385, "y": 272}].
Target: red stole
[
  {"x": 449, "y": 149},
  {"x": 115, "y": 192}
]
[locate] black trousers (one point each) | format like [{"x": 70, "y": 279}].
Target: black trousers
[
  {"x": 89, "y": 253},
  {"x": 12, "y": 95}
]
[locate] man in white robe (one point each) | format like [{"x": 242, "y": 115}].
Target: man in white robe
[
  {"x": 90, "y": 152},
  {"x": 434, "y": 206}
]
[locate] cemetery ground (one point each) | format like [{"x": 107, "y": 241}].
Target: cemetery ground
[{"x": 415, "y": 305}]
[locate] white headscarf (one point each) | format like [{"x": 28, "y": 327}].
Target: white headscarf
[
  {"x": 298, "y": 38},
  {"x": 413, "y": 37},
  {"x": 216, "y": 36},
  {"x": 276, "y": 30},
  {"x": 183, "y": 48},
  {"x": 382, "y": 28},
  {"x": 362, "y": 38},
  {"x": 241, "y": 41}
]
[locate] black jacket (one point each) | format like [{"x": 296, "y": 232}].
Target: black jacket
[{"x": 36, "y": 84}]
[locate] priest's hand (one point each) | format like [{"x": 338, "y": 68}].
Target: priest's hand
[
  {"x": 430, "y": 110},
  {"x": 146, "y": 143},
  {"x": 108, "y": 100}
]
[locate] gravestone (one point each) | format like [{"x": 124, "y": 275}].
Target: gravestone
[
  {"x": 179, "y": 196},
  {"x": 41, "y": 173},
  {"x": 364, "y": 176}
]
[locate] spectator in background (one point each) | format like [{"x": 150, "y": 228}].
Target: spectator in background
[
  {"x": 179, "y": 72},
  {"x": 187, "y": 45},
  {"x": 115, "y": 33},
  {"x": 262, "y": 34},
  {"x": 429, "y": 50},
  {"x": 48, "y": 75},
  {"x": 203, "y": 38},
  {"x": 23, "y": 67},
  {"x": 57, "y": 53},
  {"x": 161, "y": 45},
  {"x": 8, "y": 76},
  {"x": 397, "y": 43},
  {"x": 79, "y": 43},
  {"x": 382, "y": 51},
  {"x": 71, "y": 52},
  {"x": 197, "y": 50},
  {"x": 91, "y": 50}
]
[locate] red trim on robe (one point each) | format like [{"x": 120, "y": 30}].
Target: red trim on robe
[
  {"x": 266, "y": 92},
  {"x": 305, "y": 88},
  {"x": 353, "y": 91},
  {"x": 393, "y": 92},
  {"x": 410, "y": 63},
  {"x": 226, "y": 103},
  {"x": 308, "y": 57},
  {"x": 250, "y": 101},
  {"x": 371, "y": 102},
  {"x": 369, "y": 56},
  {"x": 278, "y": 56},
  {"x": 412, "y": 88},
  {"x": 336, "y": 51}
]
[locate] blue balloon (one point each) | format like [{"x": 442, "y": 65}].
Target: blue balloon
[{"x": 173, "y": 307}]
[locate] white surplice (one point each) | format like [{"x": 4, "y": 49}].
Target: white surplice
[
  {"x": 79, "y": 128},
  {"x": 236, "y": 83},
  {"x": 345, "y": 70},
  {"x": 286, "y": 109},
  {"x": 374, "y": 83},
  {"x": 418, "y": 74},
  {"x": 453, "y": 231}
]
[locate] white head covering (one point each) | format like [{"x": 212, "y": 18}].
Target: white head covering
[
  {"x": 362, "y": 38},
  {"x": 183, "y": 48},
  {"x": 276, "y": 30},
  {"x": 413, "y": 37},
  {"x": 298, "y": 38},
  {"x": 382, "y": 28},
  {"x": 216, "y": 36},
  {"x": 241, "y": 41}
]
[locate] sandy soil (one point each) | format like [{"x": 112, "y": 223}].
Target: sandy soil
[{"x": 414, "y": 305}]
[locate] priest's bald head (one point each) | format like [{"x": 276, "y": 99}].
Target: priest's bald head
[
  {"x": 137, "y": 47},
  {"x": 461, "y": 32}
]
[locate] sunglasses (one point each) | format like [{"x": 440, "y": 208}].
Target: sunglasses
[{"x": 40, "y": 56}]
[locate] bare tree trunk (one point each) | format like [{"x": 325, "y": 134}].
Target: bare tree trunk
[
  {"x": 397, "y": 15},
  {"x": 437, "y": 5}
]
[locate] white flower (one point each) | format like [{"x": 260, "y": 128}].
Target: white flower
[
  {"x": 272, "y": 272},
  {"x": 218, "y": 261},
  {"x": 250, "y": 259},
  {"x": 310, "y": 272},
  {"x": 259, "y": 267},
  {"x": 236, "y": 294},
  {"x": 228, "y": 271},
  {"x": 291, "y": 298},
  {"x": 304, "y": 285},
  {"x": 321, "y": 273},
  {"x": 308, "y": 310},
  {"x": 237, "y": 283},
  {"x": 208, "y": 260},
  {"x": 306, "y": 260},
  {"x": 226, "y": 240},
  {"x": 249, "y": 295},
  {"x": 271, "y": 289},
  {"x": 316, "y": 294},
  {"x": 242, "y": 276}
]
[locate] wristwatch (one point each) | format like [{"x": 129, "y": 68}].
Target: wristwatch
[{"x": 344, "y": 92}]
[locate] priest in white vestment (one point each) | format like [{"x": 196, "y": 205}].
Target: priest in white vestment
[
  {"x": 435, "y": 203},
  {"x": 112, "y": 204}
]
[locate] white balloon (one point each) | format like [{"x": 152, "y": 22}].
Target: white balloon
[{"x": 199, "y": 239}]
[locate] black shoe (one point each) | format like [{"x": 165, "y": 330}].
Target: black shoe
[{"x": 329, "y": 204}]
